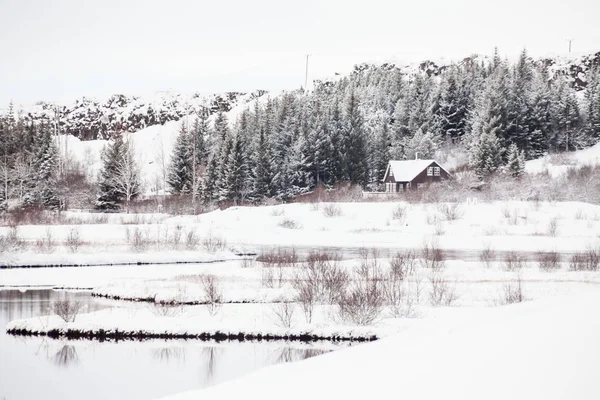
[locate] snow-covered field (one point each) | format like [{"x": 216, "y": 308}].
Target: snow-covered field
[
  {"x": 497, "y": 226},
  {"x": 471, "y": 286},
  {"x": 535, "y": 350},
  {"x": 471, "y": 330}
]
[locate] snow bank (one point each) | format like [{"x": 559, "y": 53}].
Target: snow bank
[
  {"x": 558, "y": 164},
  {"x": 538, "y": 350},
  {"x": 237, "y": 290},
  {"x": 101, "y": 258},
  {"x": 232, "y": 321}
]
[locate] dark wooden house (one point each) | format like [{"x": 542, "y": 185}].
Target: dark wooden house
[{"x": 412, "y": 174}]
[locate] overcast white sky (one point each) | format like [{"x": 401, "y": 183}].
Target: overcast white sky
[{"x": 63, "y": 49}]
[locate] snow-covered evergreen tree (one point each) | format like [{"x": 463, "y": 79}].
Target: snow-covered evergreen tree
[
  {"x": 181, "y": 169},
  {"x": 515, "y": 165},
  {"x": 354, "y": 143},
  {"x": 262, "y": 168},
  {"x": 119, "y": 180},
  {"x": 234, "y": 184},
  {"x": 486, "y": 152}
]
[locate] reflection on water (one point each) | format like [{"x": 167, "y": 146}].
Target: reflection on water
[
  {"x": 210, "y": 354},
  {"x": 67, "y": 355},
  {"x": 32, "y": 368},
  {"x": 170, "y": 354}
]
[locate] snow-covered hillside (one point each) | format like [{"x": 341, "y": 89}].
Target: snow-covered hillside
[
  {"x": 89, "y": 119},
  {"x": 558, "y": 164},
  {"x": 153, "y": 147}
]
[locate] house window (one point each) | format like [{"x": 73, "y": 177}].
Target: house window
[
  {"x": 430, "y": 171},
  {"x": 436, "y": 171}
]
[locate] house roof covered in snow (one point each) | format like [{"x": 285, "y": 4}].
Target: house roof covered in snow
[{"x": 406, "y": 171}]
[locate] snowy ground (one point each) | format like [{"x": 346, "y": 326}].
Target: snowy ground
[
  {"x": 478, "y": 289},
  {"x": 499, "y": 226},
  {"x": 558, "y": 164},
  {"x": 472, "y": 285},
  {"x": 534, "y": 350}
]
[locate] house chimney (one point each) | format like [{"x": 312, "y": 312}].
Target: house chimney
[{"x": 416, "y": 155}]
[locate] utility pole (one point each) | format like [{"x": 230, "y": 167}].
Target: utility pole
[
  {"x": 306, "y": 74},
  {"x": 570, "y": 42}
]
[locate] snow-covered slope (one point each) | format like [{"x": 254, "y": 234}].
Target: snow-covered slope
[
  {"x": 558, "y": 164},
  {"x": 534, "y": 350},
  {"x": 153, "y": 146}
]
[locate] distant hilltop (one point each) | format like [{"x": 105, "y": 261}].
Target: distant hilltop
[{"x": 90, "y": 119}]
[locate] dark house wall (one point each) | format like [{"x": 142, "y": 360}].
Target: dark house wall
[{"x": 422, "y": 178}]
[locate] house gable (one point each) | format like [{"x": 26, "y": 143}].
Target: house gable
[{"x": 415, "y": 172}]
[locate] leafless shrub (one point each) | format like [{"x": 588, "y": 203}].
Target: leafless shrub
[
  {"x": 191, "y": 240},
  {"x": 321, "y": 278},
  {"x": 275, "y": 262},
  {"x": 332, "y": 210},
  {"x": 284, "y": 314},
  {"x": 432, "y": 218},
  {"x": 487, "y": 255},
  {"x": 289, "y": 223},
  {"x": 139, "y": 240},
  {"x": 73, "y": 240},
  {"x": 399, "y": 212},
  {"x": 588, "y": 260},
  {"x": 549, "y": 261},
  {"x": 511, "y": 215},
  {"x": 307, "y": 298},
  {"x": 439, "y": 228},
  {"x": 579, "y": 214},
  {"x": 363, "y": 301},
  {"x": 432, "y": 256},
  {"x": 451, "y": 211},
  {"x": 175, "y": 239},
  {"x": 267, "y": 277},
  {"x": 553, "y": 227},
  {"x": 247, "y": 262},
  {"x": 403, "y": 264},
  {"x": 213, "y": 293},
  {"x": 442, "y": 291},
  {"x": 66, "y": 309},
  {"x": 47, "y": 243},
  {"x": 11, "y": 241},
  {"x": 279, "y": 256},
  {"x": 315, "y": 206},
  {"x": 277, "y": 212},
  {"x": 513, "y": 262},
  {"x": 165, "y": 310},
  {"x": 512, "y": 292},
  {"x": 396, "y": 291},
  {"x": 490, "y": 231},
  {"x": 212, "y": 243}
]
